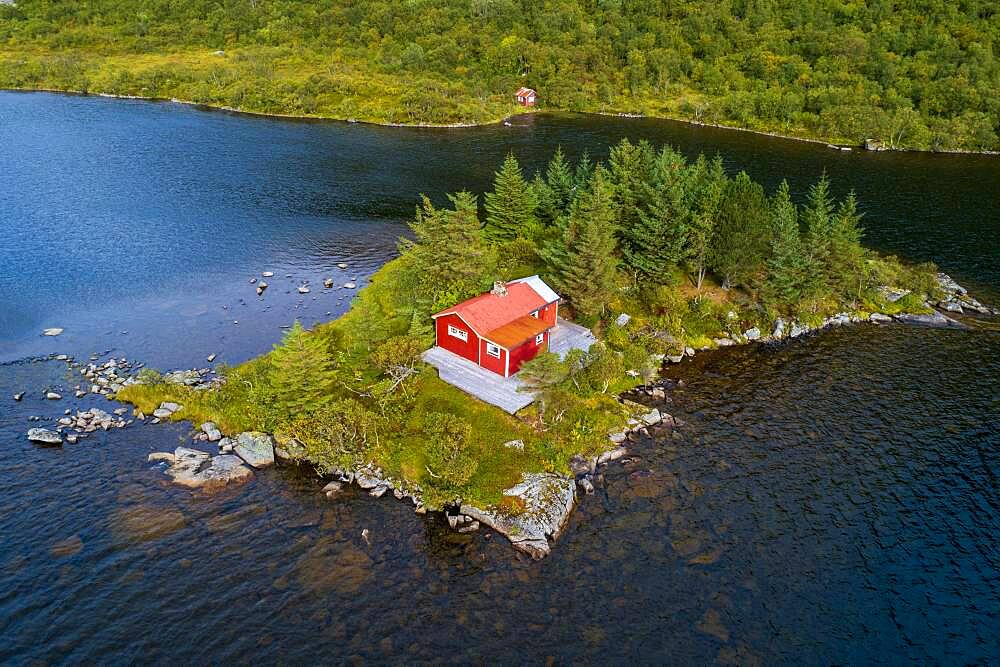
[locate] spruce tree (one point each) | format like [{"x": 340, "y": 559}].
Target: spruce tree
[
  {"x": 708, "y": 183},
  {"x": 786, "y": 265},
  {"x": 588, "y": 276},
  {"x": 448, "y": 251},
  {"x": 558, "y": 187},
  {"x": 741, "y": 241},
  {"x": 655, "y": 244},
  {"x": 847, "y": 264},
  {"x": 816, "y": 219},
  {"x": 303, "y": 372},
  {"x": 511, "y": 207}
]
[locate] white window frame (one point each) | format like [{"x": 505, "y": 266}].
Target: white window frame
[
  {"x": 493, "y": 350},
  {"x": 535, "y": 315},
  {"x": 540, "y": 338},
  {"x": 460, "y": 334}
]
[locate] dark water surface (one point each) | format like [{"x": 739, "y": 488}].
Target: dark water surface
[{"x": 833, "y": 500}]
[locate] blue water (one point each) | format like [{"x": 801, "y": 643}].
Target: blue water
[{"x": 833, "y": 500}]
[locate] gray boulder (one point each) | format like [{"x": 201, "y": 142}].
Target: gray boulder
[
  {"x": 255, "y": 448},
  {"x": 752, "y": 334},
  {"x": 290, "y": 450},
  {"x": 199, "y": 470},
  {"x": 212, "y": 431},
  {"x": 879, "y": 318},
  {"x": 44, "y": 436},
  {"x": 934, "y": 319},
  {"x": 652, "y": 417}
]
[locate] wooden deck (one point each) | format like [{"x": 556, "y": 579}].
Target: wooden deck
[
  {"x": 568, "y": 336},
  {"x": 494, "y": 389},
  {"x": 473, "y": 379}
]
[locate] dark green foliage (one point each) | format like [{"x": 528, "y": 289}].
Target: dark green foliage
[
  {"x": 555, "y": 191},
  {"x": 787, "y": 265},
  {"x": 451, "y": 259},
  {"x": 654, "y": 244},
  {"x": 741, "y": 239},
  {"x": 586, "y": 262},
  {"x": 817, "y": 228},
  {"x": 510, "y": 208},
  {"x": 708, "y": 182}
]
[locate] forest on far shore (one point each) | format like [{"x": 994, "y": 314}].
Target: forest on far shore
[{"x": 912, "y": 73}]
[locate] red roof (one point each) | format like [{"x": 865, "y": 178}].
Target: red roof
[
  {"x": 525, "y": 92},
  {"x": 487, "y": 312}
]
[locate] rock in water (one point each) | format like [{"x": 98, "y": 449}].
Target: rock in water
[
  {"x": 53, "y": 331},
  {"x": 18, "y": 396},
  {"x": 548, "y": 500},
  {"x": 267, "y": 274},
  {"x": 198, "y": 470},
  {"x": 255, "y": 448},
  {"x": 52, "y": 396},
  {"x": 328, "y": 283},
  {"x": 44, "y": 436},
  {"x": 210, "y": 358},
  {"x": 303, "y": 289},
  {"x": 342, "y": 266},
  {"x": 350, "y": 285},
  {"x": 212, "y": 431},
  {"x": 752, "y": 334}
]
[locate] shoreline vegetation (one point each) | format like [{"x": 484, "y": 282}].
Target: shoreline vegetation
[
  {"x": 658, "y": 255},
  {"x": 514, "y": 112},
  {"x": 906, "y": 76}
]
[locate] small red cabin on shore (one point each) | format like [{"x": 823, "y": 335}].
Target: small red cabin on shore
[
  {"x": 502, "y": 329},
  {"x": 526, "y": 97}
]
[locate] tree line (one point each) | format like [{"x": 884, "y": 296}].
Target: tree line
[
  {"x": 912, "y": 73},
  {"x": 645, "y": 217}
]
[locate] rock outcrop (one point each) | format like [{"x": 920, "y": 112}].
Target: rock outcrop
[
  {"x": 547, "y": 502},
  {"x": 44, "y": 436}
]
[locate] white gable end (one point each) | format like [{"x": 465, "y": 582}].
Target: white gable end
[{"x": 537, "y": 284}]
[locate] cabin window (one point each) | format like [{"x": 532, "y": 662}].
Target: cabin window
[
  {"x": 493, "y": 350},
  {"x": 460, "y": 334},
  {"x": 535, "y": 314},
  {"x": 539, "y": 339}
]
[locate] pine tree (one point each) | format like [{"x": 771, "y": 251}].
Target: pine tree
[
  {"x": 584, "y": 170},
  {"x": 303, "y": 372},
  {"x": 588, "y": 276},
  {"x": 655, "y": 243},
  {"x": 630, "y": 168},
  {"x": 449, "y": 253},
  {"x": 786, "y": 265},
  {"x": 511, "y": 207}
]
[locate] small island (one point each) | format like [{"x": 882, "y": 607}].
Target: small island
[{"x": 652, "y": 256}]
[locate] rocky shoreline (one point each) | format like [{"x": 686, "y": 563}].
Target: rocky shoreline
[{"x": 539, "y": 505}]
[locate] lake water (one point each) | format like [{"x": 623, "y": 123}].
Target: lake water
[{"x": 831, "y": 500}]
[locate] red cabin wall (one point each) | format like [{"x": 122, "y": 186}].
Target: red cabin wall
[
  {"x": 468, "y": 349},
  {"x": 492, "y": 363},
  {"x": 549, "y": 313},
  {"x": 526, "y": 351}
]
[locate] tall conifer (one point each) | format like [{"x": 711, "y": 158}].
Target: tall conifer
[
  {"x": 302, "y": 371},
  {"x": 787, "y": 264},
  {"x": 511, "y": 207}
]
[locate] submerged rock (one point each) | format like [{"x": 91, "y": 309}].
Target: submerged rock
[
  {"x": 255, "y": 448},
  {"x": 934, "y": 319},
  {"x": 44, "y": 436},
  {"x": 547, "y": 499}
]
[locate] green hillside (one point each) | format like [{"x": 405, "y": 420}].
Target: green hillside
[{"x": 913, "y": 73}]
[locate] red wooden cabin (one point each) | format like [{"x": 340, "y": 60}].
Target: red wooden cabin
[
  {"x": 502, "y": 329},
  {"x": 526, "y": 97}
]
